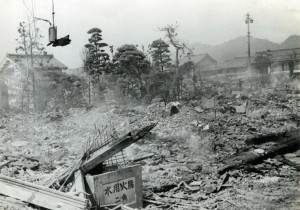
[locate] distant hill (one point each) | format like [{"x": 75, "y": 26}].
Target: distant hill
[
  {"x": 291, "y": 42},
  {"x": 238, "y": 47},
  {"x": 234, "y": 48}
]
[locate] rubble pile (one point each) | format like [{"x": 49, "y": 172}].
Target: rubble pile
[{"x": 182, "y": 155}]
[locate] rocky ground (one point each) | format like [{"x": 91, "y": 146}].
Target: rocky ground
[{"x": 186, "y": 148}]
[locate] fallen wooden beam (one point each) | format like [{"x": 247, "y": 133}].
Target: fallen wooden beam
[
  {"x": 39, "y": 195},
  {"x": 290, "y": 145},
  {"x": 275, "y": 137},
  {"x": 110, "y": 150}
]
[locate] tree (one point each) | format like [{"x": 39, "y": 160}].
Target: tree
[
  {"x": 171, "y": 35},
  {"x": 97, "y": 61},
  {"x": 161, "y": 84},
  {"x": 189, "y": 68},
  {"x": 60, "y": 90},
  {"x": 29, "y": 45},
  {"x": 160, "y": 54},
  {"x": 132, "y": 63}
]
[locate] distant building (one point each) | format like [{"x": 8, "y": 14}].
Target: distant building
[
  {"x": 232, "y": 66},
  {"x": 201, "y": 61},
  {"x": 15, "y": 69},
  {"x": 283, "y": 60}
]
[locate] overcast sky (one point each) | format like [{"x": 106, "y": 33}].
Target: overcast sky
[{"x": 136, "y": 21}]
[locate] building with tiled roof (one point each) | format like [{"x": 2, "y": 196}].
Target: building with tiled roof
[
  {"x": 48, "y": 62},
  {"x": 15, "y": 69},
  {"x": 280, "y": 61},
  {"x": 201, "y": 60},
  {"x": 283, "y": 60},
  {"x": 231, "y": 66}
]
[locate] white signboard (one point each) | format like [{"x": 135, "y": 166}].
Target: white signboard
[{"x": 120, "y": 192}]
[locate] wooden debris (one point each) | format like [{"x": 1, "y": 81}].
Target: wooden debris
[
  {"x": 79, "y": 184},
  {"x": 5, "y": 163},
  {"x": 241, "y": 109},
  {"x": 290, "y": 145},
  {"x": 288, "y": 162},
  {"x": 40, "y": 196},
  {"x": 223, "y": 181},
  {"x": 110, "y": 150},
  {"x": 274, "y": 137},
  {"x": 103, "y": 154},
  {"x": 143, "y": 157}
]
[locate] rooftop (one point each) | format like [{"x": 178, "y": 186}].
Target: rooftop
[{"x": 40, "y": 61}]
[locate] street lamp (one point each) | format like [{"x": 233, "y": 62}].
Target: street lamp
[{"x": 53, "y": 32}]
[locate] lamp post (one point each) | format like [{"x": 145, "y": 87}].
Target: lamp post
[
  {"x": 53, "y": 32},
  {"x": 248, "y": 20}
]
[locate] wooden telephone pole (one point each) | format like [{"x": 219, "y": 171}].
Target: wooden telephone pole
[{"x": 248, "y": 20}]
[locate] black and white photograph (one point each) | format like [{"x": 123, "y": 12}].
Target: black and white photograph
[{"x": 149, "y": 105}]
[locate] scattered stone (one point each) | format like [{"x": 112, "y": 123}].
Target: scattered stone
[
  {"x": 195, "y": 167},
  {"x": 259, "y": 151},
  {"x": 199, "y": 109},
  {"x": 19, "y": 143},
  {"x": 166, "y": 153},
  {"x": 241, "y": 109},
  {"x": 206, "y": 127},
  {"x": 267, "y": 179},
  {"x": 180, "y": 156},
  {"x": 196, "y": 183},
  {"x": 209, "y": 189}
]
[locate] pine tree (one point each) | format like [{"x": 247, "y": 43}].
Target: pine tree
[
  {"x": 97, "y": 61},
  {"x": 160, "y": 54}
]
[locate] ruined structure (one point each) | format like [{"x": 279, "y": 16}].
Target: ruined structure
[{"x": 15, "y": 71}]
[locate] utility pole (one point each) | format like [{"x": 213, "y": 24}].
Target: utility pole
[{"x": 248, "y": 20}]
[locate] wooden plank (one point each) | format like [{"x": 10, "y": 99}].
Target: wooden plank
[
  {"x": 112, "y": 149},
  {"x": 39, "y": 195},
  {"x": 79, "y": 184},
  {"x": 123, "y": 186}
]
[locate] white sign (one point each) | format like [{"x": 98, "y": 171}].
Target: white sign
[{"x": 119, "y": 192}]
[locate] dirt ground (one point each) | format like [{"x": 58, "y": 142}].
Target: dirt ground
[{"x": 187, "y": 148}]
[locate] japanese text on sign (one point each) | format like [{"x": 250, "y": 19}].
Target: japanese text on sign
[{"x": 122, "y": 191}]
